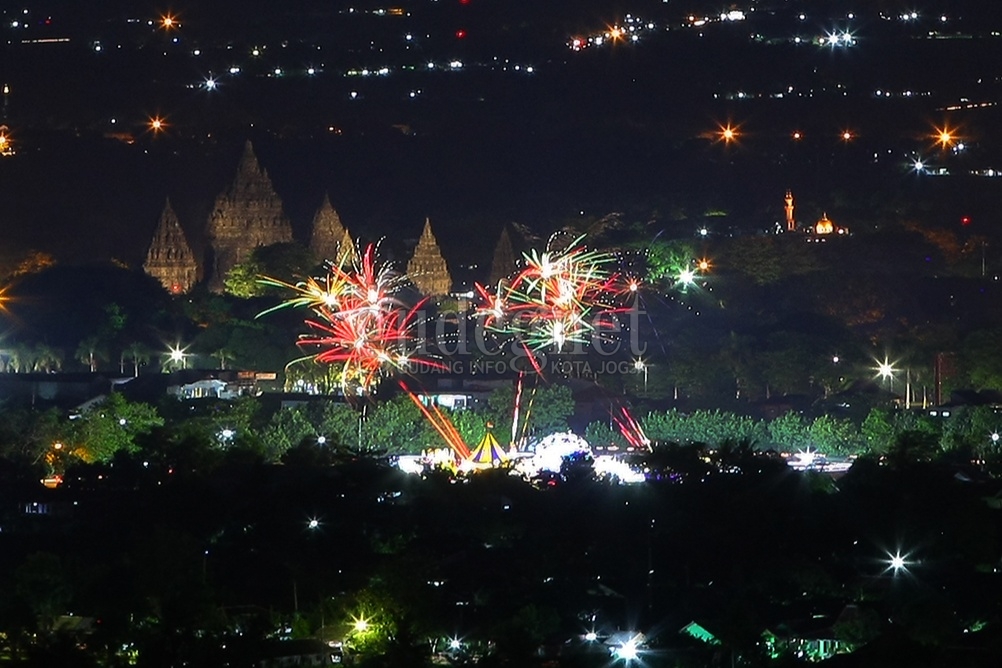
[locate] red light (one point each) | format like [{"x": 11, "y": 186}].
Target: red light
[
  {"x": 966, "y": 220},
  {"x": 464, "y": 2},
  {"x": 460, "y": 34}
]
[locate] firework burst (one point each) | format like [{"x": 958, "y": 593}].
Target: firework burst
[
  {"x": 556, "y": 299},
  {"x": 358, "y": 321}
]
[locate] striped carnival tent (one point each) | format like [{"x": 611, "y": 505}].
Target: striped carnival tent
[{"x": 488, "y": 452}]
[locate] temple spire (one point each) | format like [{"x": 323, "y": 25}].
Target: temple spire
[
  {"x": 328, "y": 232},
  {"x": 169, "y": 258},
  {"x": 427, "y": 268},
  {"x": 504, "y": 262},
  {"x": 249, "y": 214}
]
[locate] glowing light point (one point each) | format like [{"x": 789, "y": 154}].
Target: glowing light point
[
  {"x": 885, "y": 369},
  {"x": 687, "y": 277},
  {"x": 627, "y": 651},
  {"x": 897, "y": 562},
  {"x": 360, "y": 625}
]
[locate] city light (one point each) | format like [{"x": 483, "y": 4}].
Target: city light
[
  {"x": 897, "y": 563},
  {"x": 157, "y": 124},
  {"x": 945, "y": 137},
  {"x": 728, "y": 133},
  {"x": 360, "y": 625}
]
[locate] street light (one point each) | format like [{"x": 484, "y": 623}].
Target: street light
[
  {"x": 886, "y": 371},
  {"x": 177, "y": 356},
  {"x": 640, "y": 365},
  {"x": 897, "y": 562},
  {"x": 628, "y": 651}
]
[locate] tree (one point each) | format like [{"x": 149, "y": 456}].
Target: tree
[
  {"x": 543, "y": 411},
  {"x": 397, "y": 426},
  {"x": 90, "y": 351},
  {"x": 244, "y": 280},
  {"x": 21, "y": 358},
  {"x": 111, "y": 426},
  {"x": 138, "y": 353},
  {"x": 832, "y": 435},
  {"x": 40, "y": 581},
  {"x": 788, "y": 431},
  {"x": 288, "y": 428},
  {"x": 981, "y": 359},
  {"x": 47, "y": 359},
  {"x": 284, "y": 261},
  {"x": 878, "y": 430},
  {"x": 223, "y": 355}
]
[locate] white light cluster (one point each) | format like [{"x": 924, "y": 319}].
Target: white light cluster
[{"x": 630, "y": 31}]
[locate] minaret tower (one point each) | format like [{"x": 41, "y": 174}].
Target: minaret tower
[{"x": 791, "y": 224}]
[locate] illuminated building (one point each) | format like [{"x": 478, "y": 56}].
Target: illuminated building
[
  {"x": 249, "y": 214},
  {"x": 825, "y": 228},
  {"x": 170, "y": 259},
  {"x": 427, "y": 268}
]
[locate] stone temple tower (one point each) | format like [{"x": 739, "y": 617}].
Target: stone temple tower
[
  {"x": 791, "y": 224},
  {"x": 427, "y": 269},
  {"x": 330, "y": 240},
  {"x": 504, "y": 263},
  {"x": 249, "y": 214},
  {"x": 169, "y": 258}
]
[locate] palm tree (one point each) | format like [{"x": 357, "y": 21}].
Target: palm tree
[
  {"x": 90, "y": 351},
  {"x": 138, "y": 353},
  {"x": 22, "y": 358},
  {"x": 47, "y": 358},
  {"x": 222, "y": 355}
]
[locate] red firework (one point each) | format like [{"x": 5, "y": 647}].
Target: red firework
[{"x": 359, "y": 322}]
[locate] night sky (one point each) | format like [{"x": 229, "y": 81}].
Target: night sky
[{"x": 628, "y": 129}]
